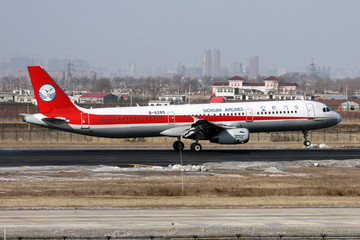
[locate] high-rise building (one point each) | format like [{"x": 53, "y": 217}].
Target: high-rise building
[
  {"x": 215, "y": 63},
  {"x": 253, "y": 68},
  {"x": 131, "y": 70},
  {"x": 206, "y": 63},
  {"x": 211, "y": 63}
]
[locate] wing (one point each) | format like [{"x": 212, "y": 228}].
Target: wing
[{"x": 201, "y": 129}]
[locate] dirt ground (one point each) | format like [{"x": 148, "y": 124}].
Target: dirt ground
[{"x": 255, "y": 184}]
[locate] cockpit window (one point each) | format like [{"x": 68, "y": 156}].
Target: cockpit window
[{"x": 327, "y": 109}]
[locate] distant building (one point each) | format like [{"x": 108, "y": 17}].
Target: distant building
[
  {"x": 173, "y": 98},
  {"x": 215, "y": 63},
  {"x": 24, "y": 98},
  {"x": 211, "y": 63},
  {"x": 159, "y": 103},
  {"x": 6, "y": 97},
  {"x": 253, "y": 68},
  {"x": 98, "y": 98},
  {"x": 237, "y": 88},
  {"x": 349, "y": 107},
  {"x": 206, "y": 63}
]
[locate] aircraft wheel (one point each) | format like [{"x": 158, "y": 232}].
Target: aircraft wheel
[
  {"x": 307, "y": 143},
  {"x": 196, "y": 147},
  {"x": 178, "y": 145}
]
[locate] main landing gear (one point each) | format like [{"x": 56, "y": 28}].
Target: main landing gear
[
  {"x": 306, "y": 142},
  {"x": 196, "y": 147},
  {"x": 179, "y": 145}
]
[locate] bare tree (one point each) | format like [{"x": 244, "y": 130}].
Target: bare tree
[{"x": 102, "y": 85}]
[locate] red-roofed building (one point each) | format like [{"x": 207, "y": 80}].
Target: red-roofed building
[
  {"x": 98, "y": 98},
  {"x": 216, "y": 100}
]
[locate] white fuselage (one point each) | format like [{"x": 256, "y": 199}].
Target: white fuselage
[{"x": 124, "y": 122}]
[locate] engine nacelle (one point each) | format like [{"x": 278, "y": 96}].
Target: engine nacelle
[{"x": 232, "y": 136}]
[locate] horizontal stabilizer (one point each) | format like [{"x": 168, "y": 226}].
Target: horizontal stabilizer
[{"x": 56, "y": 120}]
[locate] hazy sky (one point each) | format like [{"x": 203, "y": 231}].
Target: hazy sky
[{"x": 151, "y": 33}]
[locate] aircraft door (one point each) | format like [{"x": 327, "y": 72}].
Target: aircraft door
[
  {"x": 171, "y": 118},
  {"x": 85, "y": 121},
  {"x": 249, "y": 115},
  {"x": 310, "y": 111}
]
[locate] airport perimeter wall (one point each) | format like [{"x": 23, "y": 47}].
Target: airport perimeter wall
[{"x": 21, "y": 133}]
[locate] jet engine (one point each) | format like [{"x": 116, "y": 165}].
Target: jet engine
[{"x": 232, "y": 136}]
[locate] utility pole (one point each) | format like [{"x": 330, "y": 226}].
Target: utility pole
[
  {"x": 189, "y": 93},
  {"x": 68, "y": 76}
]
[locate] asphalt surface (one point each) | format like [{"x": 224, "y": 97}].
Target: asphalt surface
[
  {"x": 305, "y": 220},
  {"x": 124, "y": 158}
]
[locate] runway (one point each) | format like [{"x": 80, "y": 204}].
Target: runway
[
  {"x": 347, "y": 220},
  {"x": 161, "y": 157}
]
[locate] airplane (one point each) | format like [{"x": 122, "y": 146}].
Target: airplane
[{"x": 223, "y": 123}]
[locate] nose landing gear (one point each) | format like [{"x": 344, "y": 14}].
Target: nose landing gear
[
  {"x": 178, "y": 145},
  {"x": 306, "y": 142}
]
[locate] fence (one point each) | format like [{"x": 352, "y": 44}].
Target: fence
[
  {"x": 195, "y": 237},
  {"x": 42, "y": 135}
]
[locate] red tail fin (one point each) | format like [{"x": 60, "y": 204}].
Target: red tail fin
[{"x": 49, "y": 96}]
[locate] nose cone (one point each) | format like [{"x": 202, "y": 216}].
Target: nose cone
[{"x": 338, "y": 118}]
